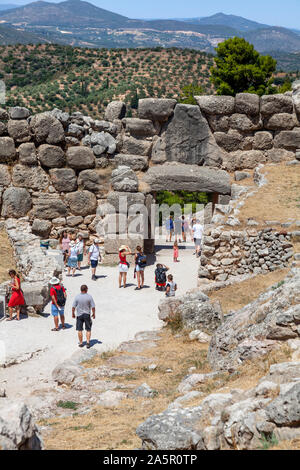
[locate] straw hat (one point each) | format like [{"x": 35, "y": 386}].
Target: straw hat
[
  {"x": 123, "y": 247},
  {"x": 54, "y": 281}
]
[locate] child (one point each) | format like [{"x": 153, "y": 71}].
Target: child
[
  {"x": 175, "y": 252},
  {"x": 171, "y": 287}
]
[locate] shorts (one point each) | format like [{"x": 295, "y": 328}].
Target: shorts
[
  {"x": 139, "y": 269},
  {"x": 123, "y": 268},
  {"x": 72, "y": 263},
  {"x": 94, "y": 263},
  {"x": 198, "y": 241},
  {"x": 84, "y": 320},
  {"x": 55, "y": 311},
  {"x": 80, "y": 258}
]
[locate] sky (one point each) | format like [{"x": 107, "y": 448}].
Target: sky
[{"x": 274, "y": 12}]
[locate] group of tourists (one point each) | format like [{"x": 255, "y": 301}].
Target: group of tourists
[{"x": 180, "y": 228}]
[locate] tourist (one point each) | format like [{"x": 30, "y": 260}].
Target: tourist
[
  {"x": 198, "y": 233},
  {"x": 72, "y": 260},
  {"x": 193, "y": 221},
  {"x": 80, "y": 245},
  {"x": 140, "y": 265},
  {"x": 160, "y": 277},
  {"x": 94, "y": 257},
  {"x": 184, "y": 228},
  {"x": 17, "y": 298},
  {"x": 64, "y": 243},
  {"x": 83, "y": 305},
  {"x": 123, "y": 265},
  {"x": 171, "y": 287},
  {"x": 58, "y": 296},
  {"x": 175, "y": 252},
  {"x": 178, "y": 229},
  {"x": 169, "y": 228}
]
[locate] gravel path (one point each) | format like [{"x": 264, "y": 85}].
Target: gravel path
[{"x": 120, "y": 314}]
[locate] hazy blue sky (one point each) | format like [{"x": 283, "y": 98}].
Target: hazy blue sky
[{"x": 274, "y": 12}]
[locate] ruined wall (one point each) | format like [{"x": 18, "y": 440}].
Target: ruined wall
[{"x": 66, "y": 171}]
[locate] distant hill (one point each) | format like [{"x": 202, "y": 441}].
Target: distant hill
[
  {"x": 274, "y": 39},
  {"x": 9, "y": 35},
  {"x": 237, "y": 22},
  {"x": 7, "y": 6},
  {"x": 80, "y": 23}
]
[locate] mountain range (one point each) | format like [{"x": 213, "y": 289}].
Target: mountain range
[{"x": 80, "y": 23}]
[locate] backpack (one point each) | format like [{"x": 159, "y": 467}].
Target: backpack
[
  {"x": 141, "y": 261},
  {"x": 160, "y": 276},
  {"x": 61, "y": 300}
]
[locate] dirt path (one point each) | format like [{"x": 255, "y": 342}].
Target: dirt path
[{"x": 121, "y": 313}]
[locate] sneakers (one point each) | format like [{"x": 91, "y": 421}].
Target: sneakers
[
  {"x": 88, "y": 346},
  {"x": 94, "y": 278}
]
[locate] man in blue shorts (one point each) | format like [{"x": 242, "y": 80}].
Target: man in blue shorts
[{"x": 58, "y": 296}]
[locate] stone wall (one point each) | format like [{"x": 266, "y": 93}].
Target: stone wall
[
  {"x": 227, "y": 254},
  {"x": 67, "y": 171}
]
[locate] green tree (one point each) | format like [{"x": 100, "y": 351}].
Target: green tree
[
  {"x": 188, "y": 93},
  {"x": 241, "y": 69}
]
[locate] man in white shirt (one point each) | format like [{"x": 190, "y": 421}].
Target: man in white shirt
[
  {"x": 198, "y": 233},
  {"x": 94, "y": 258}
]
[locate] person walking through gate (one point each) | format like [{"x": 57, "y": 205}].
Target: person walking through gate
[
  {"x": 58, "y": 296},
  {"x": 82, "y": 308},
  {"x": 17, "y": 299},
  {"x": 94, "y": 257}
]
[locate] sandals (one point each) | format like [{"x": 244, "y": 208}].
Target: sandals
[{"x": 55, "y": 329}]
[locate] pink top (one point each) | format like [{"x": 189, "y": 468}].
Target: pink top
[
  {"x": 176, "y": 252},
  {"x": 65, "y": 244}
]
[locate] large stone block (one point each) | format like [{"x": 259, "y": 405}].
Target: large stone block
[
  {"x": 296, "y": 96},
  {"x": 244, "y": 123},
  {"x": 242, "y": 160},
  {"x": 121, "y": 202},
  {"x": 289, "y": 140},
  {"x": 7, "y": 149},
  {"x": 135, "y": 162},
  {"x": 91, "y": 180},
  {"x": 64, "y": 180},
  {"x": 156, "y": 109},
  {"x": 16, "y": 203},
  {"x": 124, "y": 179},
  {"x": 49, "y": 206},
  {"x": 281, "y": 121},
  {"x": 263, "y": 141},
  {"x": 132, "y": 146},
  {"x": 177, "y": 177},
  {"x": 80, "y": 158},
  {"x": 19, "y": 130},
  {"x": 18, "y": 112},
  {"x": 27, "y": 154},
  {"x": 51, "y": 156},
  {"x": 82, "y": 203},
  {"x": 229, "y": 142},
  {"x": 3, "y": 115},
  {"x": 115, "y": 110},
  {"x": 41, "y": 228},
  {"x": 18, "y": 430},
  {"x": 5, "y": 177},
  {"x": 247, "y": 103},
  {"x": 140, "y": 127},
  {"x": 30, "y": 177},
  {"x": 274, "y": 104},
  {"x": 189, "y": 139},
  {"x": 213, "y": 104},
  {"x": 47, "y": 129},
  {"x": 3, "y": 129}
]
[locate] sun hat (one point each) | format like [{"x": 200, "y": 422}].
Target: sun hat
[
  {"x": 123, "y": 247},
  {"x": 54, "y": 281},
  {"x": 97, "y": 240}
]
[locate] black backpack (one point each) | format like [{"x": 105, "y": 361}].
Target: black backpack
[
  {"x": 160, "y": 276},
  {"x": 141, "y": 261},
  {"x": 61, "y": 300}
]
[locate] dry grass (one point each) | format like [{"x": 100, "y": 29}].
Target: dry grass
[
  {"x": 114, "y": 428},
  {"x": 236, "y": 296},
  {"x": 278, "y": 200},
  {"x": 7, "y": 259},
  {"x": 287, "y": 445}
]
